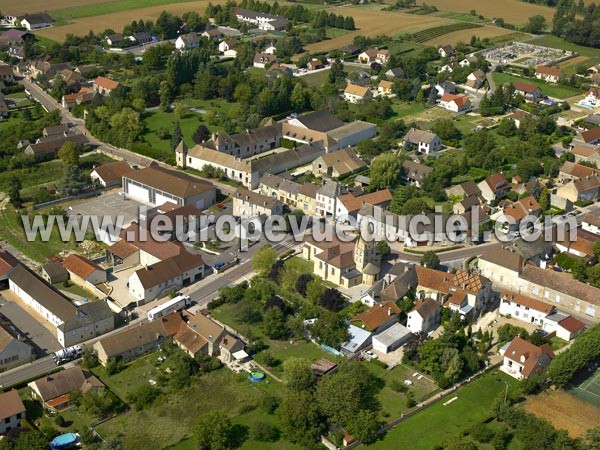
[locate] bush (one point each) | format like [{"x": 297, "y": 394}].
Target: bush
[
  {"x": 481, "y": 433},
  {"x": 60, "y": 421},
  {"x": 143, "y": 396},
  {"x": 264, "y": 432},
  {"x": 269, "y": 404}
]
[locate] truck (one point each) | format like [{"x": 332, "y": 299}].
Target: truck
[
  {"x": 175, "y": 304},
  {"x": 67, "y": 354}
]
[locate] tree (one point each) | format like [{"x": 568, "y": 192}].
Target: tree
[
  {"x": 415, "y": 206},
  {"x": 385, "y": 170},
  {"x": 176, "y": 137},
  {"x": 314, "y": 291},
  {"x": 179, "y": 109},
  {"x": 364, "y": 426},
  {"x": 14, "y": 190},
  {"x": 297, "y": 374},
  {"x": 536, "y": 24},
  {"x": 430, "y": 259},
  {"x": 263, "y": 260},
  {"x": 214, "y": 431},
  {"x": 592, "y": 438},
  {"x": 300, "y": 418},
  {"x": 330, "y": 329},
  {"x": 90, "y": 357},
  {"x": 201, "y": 134},
  {"x": 544, "y": 200},
  {"x": 446, "y": 130},
  {"x": 69, "y": 154},
  {"x": 383, "y": 248},
  {"x": 302, "y": 283},
  {"x": 59, "y": 87},
  {"x": 274, "y": 324},
  {"x": 73, "y": 181},
  {"x": 506, "y": 128},
  {"x": 142, "y": 396},
  {"x": 333, "y": 300}
]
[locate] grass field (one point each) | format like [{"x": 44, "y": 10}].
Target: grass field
[
  {"x": 512, "y": 11},
  {"x": 438, "y": 423},
  {"x": 173, "y": 415},
  {"x": 566, "y": 411},
  {"x": 555, "y": 91}
]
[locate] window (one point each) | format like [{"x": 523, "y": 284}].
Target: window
[{"x": 534, "y": 290}]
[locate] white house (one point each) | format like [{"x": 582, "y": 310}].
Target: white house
[
  {"x": 446, "y": 51},
  {"x": 455, "y": 103},
  {"x": 187, "y": 42},
  {"x": 523, "y": 359},
  {"x": 355, "y": 93},
  {"x": 566, "y": 327},
  {"x": 248, "y": 204},
  {"x": 326, "y": 199},
  {"x": 12, "y": 411},
  {"x": 422, "y": 141},
  {"x": 226, "y": 45},
  {"x": 36, "y": 21},
  {"x": 13, "y": 351},
  {"x": 548, "y": 74},
  {"x": 524, "y": 308},
  {"x": 591, "y": 223},
  {"x": 425, "y": 316},
  {"x": 592, "y": 96}
]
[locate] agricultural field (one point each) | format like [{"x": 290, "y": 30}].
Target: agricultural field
[
  {"x": 464, "y": 35},
  {"x": 117, "y": 20},
  {"x": 435, "y": 32},
  {"x": 512, "y": 11},
  {"x": 564, "y": 411}
]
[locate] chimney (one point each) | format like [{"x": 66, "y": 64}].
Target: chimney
[{"x": 389, "y": 312}]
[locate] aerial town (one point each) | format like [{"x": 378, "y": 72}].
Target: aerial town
[{"x": 301, "y": 225}]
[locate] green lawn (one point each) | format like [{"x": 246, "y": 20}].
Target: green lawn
[
  {"x": 436, "y": 424},
  {"x": 300, "y": 264},
  {"x": 317, "y": 79},
  {"x": 403, "y": 109},
  {"x": 556, "y": 91},
  {"x": 62, "y": 16},
  {"x": 172, "y": 417}
]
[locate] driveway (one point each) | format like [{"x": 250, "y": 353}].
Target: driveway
[{"x": 41, "y": 336}]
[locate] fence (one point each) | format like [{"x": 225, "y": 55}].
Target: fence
[{"x": 86, "y": 194}]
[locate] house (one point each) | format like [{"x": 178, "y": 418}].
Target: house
[
  {"x": 12, "y": 411},
  {"x": 134, "y": 341},
  {"x": 519, "y": 210},
  {"x": 359, "y": 340},
  {"x": 346, "y": 264},
  {"x": 248, "y": 204},
  {"x": 396, "y": 72},
  {"x": 55, "y": 390},
  {"x": 338, "y": 164},
  {"x": 450, "y": 67},
  {"x": 463, "y": 190},
  {"x": 355, "y": 93},
  {"x": 374, "y": 55},
  {"x": 466, "y": 204},
  {"x": 326, "y": 198},
  {"x": 140, "y": 38},
  {"x": 114, "y": 38},
  {"x": 279, "y": 70},
  {"x": 295, "y": 195},
  {"x": 586, "y": 154},
  {"x": 84, "y": 95},
  {"x": 592, "y": 96},
  {"x": 73, "y": 324},
  {"x": 110, "y": 174},
  {"x": 524, "y": 308},
  {"x": 188, "y": 41},
  {"x": 165, "y": 276},
  {"x": 591, "y": 223},
  {"x": 54, "y": 272},
  {"x": 265, "y": 21},
  {"x": 414, "y": 172},
  {"x": 104, "y": 86},
  {"x": 213, "y": 34},
  {"x": 422, "y": 141},
  {"x": 531, "y": 92},
  {"x": 13, "y": 350},
  {"x": 348, "y": 205},
  {"x": 262, "y": 60},
  {"x": 157, "y": 185},
  {"x": 570, "y": 171},
  {"x": 455, "y": 103},
  {"x": 583, "y": 247},
  {"x": 475, "y": 79},
  {"x": 378, "y": 318},
  {"x": 425, "y": 316},
  {"x": 446, "y": 51},
  {"x": 84, "y": 272},
  {"x": 522, "y": 359},
  {"x": 315, "y": 64},
  {"x": 6, "y": 73},
  {"x": 517, "y": 117},
  {"x": 385, "y": 87},
  {"x": 501, "y": 267},
  {"x": 390, "y": 339},
  {"x": 566, "y": 327},
  {"x": 36, "y": 21},
  {"x": 548, "y": 74},
  {"x": 591, "y": 136},
  {"x": 494, "y": 187},
  {"x": 227, "y": 44},
  {"x": 581, "y": 190},
  {"x": 48, "y": 147},
  {"x": 445, "y": 87}
]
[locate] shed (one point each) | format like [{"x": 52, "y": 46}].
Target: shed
[
  {"x": 54, "y": 272},
  {"x": 391, "y": 339}
]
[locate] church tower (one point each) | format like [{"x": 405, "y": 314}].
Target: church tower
[
  {"x": 181, "y": 152},
  {"x": 364, "y": 253}
]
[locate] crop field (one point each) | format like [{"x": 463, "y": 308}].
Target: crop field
[
  {"x": 494, "y": 33},
  {"x": 432, "y": 33},
  {"x": 512, "y": 11},
  {"x": 117, "y": 20},
  {"x": 564, "y": 411}
]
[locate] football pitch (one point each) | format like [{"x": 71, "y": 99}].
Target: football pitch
[{"x": 589, "y": 389}]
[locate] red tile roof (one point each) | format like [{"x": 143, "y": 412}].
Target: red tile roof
[
  {"x": 80, "y": 266},
  {"x": 106, "y": 83},
  {"x": 552, "y": 71},
  {"x": 531, "y": 303},
  {"x": 534, "y": 358},
  {"x": 377, "y": 315},
  {"x": 572, "y": 324}
]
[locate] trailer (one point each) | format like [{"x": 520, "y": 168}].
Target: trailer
[
  {"x": 67, "y": 354},
  {"x": 175, "y": 304}
]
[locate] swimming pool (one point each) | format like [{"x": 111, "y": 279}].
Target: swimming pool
[{"x": 64, "y": 441}]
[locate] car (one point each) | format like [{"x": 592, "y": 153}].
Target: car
[
  {"x": 370, "y": 355},
  {"x": 541, "y": 332},
  {"x": 219, "y": 265}
]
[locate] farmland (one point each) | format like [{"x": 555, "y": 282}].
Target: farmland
[
  {"x": 432, "y": 33},
  {"x": 492, "y": 32}
]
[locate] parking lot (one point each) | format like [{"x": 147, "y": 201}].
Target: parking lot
[
  {"x": 108, "y": 204},
  {"x": 41, "y": 336}
]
